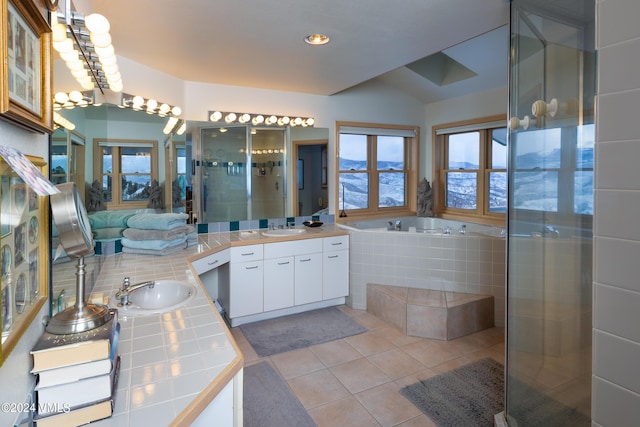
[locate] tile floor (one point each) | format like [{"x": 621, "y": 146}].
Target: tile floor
[{"x": 355, "y": 381}]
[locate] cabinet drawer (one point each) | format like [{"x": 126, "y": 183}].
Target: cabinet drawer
[
  {"x": 335, "y": 243},
  {"x": 211, "y": 261},
  {"x": 246, "y": 253},
  {"x": 291, "y": 248}
]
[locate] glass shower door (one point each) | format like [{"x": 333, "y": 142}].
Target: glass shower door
[
  {"x": 550, "y": 172},
  {"x": 223, "y": 174},
  {"x": 268, "y": 184}
]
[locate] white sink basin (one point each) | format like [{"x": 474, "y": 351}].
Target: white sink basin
[
  {"x": 166, "y": 295},
  {"x": 284, "y": 232}
]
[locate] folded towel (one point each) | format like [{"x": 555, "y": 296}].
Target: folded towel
[
  {"x": 166, "y": 251},
  {"x": 162, "y": 221},
  {"x": 107, "y": 233},
  {"x": 109, "y": 219},
  {"x": 152, "y": 244},
  {"x": 174, "y": 233}
]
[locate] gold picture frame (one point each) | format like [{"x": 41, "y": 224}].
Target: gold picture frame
[
  {"x": 24, "y": 249},
  {"x": 25, "y": 72}
]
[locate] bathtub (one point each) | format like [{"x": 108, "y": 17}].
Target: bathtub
[
  {"x": 427, "y": 253},
  {"x": 432, "y": 226}
]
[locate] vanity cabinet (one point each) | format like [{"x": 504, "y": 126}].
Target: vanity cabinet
[
  {"x": 308, "y": 278},
  {"x": 279, "y": 278},
  {"x": 335, "y": 267},
  {"x": 246, "y": 283},
  {"x": 294, "y": 276},
  {"x": 278, "y": 283}
]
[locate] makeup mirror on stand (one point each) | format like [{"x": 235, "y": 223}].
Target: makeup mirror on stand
[{"x": 72, "y": 223}]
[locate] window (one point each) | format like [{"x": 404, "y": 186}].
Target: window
[
  {"x": 554, "y": 170},
  {"x": 377, "y": 168},
  {"x": 126, "y": 170},
  {"x": 470, "y": 165}
]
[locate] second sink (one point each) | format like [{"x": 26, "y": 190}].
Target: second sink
[{"x": 165, "y": 295}]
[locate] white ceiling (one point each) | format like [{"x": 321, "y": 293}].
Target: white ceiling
[{"x": 258, "y": 43}]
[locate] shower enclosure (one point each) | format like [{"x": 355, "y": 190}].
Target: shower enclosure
[
  {"x": 239, "y": 172},
  {"x": 550, "y": 213}
]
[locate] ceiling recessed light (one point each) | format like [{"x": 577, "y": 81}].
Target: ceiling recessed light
[{"x": 316, "y": 39}]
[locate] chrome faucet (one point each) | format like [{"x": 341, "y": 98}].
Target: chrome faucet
[
  {"x": 128, "y": 289},
  {"x": 463, "y": 229},
  {"x": 398, "y": 225}
]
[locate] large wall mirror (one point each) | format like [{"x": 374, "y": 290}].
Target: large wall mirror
[{"x": 121, "y": 151}]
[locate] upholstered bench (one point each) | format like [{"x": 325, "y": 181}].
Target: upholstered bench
[{"x": 429, "y": 313}]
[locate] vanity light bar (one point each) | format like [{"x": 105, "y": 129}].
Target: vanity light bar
[
  {"x": 60, "y": 121},
  {"x": 259, "y": 119},
  {"x": 75, "y": 98},
  {"x": 150, "y": 105},
  {"x": 85, "y": 45}
]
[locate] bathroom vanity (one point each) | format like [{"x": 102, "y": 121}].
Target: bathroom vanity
[
  {"x": 183, "y": 367},
  {"x": 259, "y": 276}
]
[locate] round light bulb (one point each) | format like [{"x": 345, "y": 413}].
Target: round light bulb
[
  {"x": 65, "y": 45},
  {"x": 116, "y": 86},
  {"x": 75, "y": 96},
  {"x": 164, "y": 108},
  {"x": 100, "y": 40},
  {"x": 97, "y": 23},
  {"x": 231, "y": 117},
  {"x": 138, "y": 101},
  {"x": 61, "y": 97},
  {"x": 58, "y": 32},
  {"x": 310, "y": 121},
  {"x": 176, "y": 111},
  {"x": 152, "y": 104},
  {"x": 215, "y": 116},
  {"x": 105, "y": 51}
]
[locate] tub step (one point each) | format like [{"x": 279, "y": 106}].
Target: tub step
[{"x": 430, "y": 314}]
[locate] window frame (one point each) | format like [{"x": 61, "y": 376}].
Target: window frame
[
  {"x": 411, "y": 164},
  {"x": 116, "y": 174},
  {"x": 481, "y": 214}
]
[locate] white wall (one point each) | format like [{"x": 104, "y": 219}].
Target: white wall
[
  {"x": 616, "y": 346},
  {"x": 14, "y": 374}
]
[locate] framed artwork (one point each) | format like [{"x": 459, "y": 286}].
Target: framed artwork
[
  {"x": 24, "y": 280},
  {"x": 25, "y": 74}
]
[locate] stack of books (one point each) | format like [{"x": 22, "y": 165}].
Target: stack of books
[{"x": 77, "y": 375}]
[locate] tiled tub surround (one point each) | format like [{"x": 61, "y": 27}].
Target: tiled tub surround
[
  {"x": 430, "y": 314},
  {"x": 472, "y": 263}
]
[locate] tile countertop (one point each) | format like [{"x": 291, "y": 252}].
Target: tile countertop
[{"x": 174, "y": 364}]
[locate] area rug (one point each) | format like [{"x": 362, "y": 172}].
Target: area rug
[
  {"x": 268, "y": 400},
  {"x": 273, "y": 336},
  {"x": 472, "y": 394},
  {"x": 466, "y": 396}
]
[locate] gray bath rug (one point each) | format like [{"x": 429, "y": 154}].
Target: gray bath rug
[
  {"x": 268, "y": 401},
  {"x": 470, "y": 396},
  {"x": 301, "y": 330}
]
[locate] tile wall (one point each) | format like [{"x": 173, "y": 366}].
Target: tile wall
[
  {"x": 469, "y": 264},
  {"x": 616, "y": 349}
]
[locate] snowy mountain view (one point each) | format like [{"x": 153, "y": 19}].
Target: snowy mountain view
[{"x": 535, "y": 184}]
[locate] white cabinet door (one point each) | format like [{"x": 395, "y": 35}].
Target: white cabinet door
[
  {"x": 335, "y": 274},
  {"x": 278, "y": 283},
  {"x": 308, "y": 278},
  {"x": 246, "y": 288}
]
